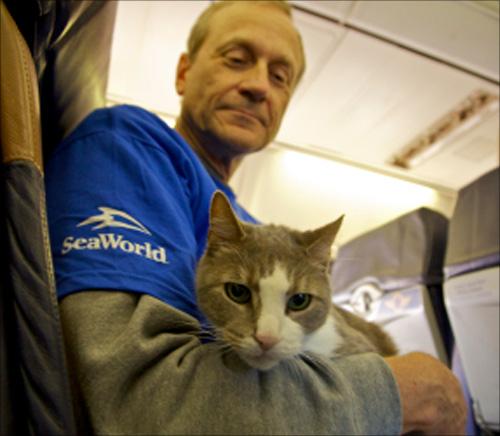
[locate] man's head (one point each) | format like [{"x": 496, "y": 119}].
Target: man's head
[
  {"x": 243, "y": 63},
  {"x": 200, "y": 28}
]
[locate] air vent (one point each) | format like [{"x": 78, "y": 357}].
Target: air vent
[{"x": 468, "y": 114}]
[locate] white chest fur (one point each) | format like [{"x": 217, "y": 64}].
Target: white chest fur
[
  {"x": 324, "y": 340},
  {"x": 273, "y": 321}
]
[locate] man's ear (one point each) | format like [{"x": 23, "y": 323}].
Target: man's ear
[{"x": 180, "y": 78}]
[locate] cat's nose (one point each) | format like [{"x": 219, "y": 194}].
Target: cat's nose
[{"x": 265, "y": 341}]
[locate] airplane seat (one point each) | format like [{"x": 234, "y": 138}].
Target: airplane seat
[
  {"x": 70, "y": 43},
  {"x": 393, "y": 276},
  {"x": 471, "y": 290},
  {"x": 39, "y": 81}
]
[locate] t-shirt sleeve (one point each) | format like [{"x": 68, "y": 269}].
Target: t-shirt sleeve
[{"x": 120, "y": 206}]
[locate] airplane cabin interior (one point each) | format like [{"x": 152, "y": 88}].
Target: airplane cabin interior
[{"x": 395, "y": 124}]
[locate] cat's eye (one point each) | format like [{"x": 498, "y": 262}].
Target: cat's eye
[
  {"x": 299, "y": 302},
  {"x": 237, "y": 292}
]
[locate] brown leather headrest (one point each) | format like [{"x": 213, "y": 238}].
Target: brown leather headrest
[{"x": 19, "y": 102}]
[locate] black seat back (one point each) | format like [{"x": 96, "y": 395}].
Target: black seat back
[
  {"x": 472, "y": 294},
  {"x": 393, "y": 275}
]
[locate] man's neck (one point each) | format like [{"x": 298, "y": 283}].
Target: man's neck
[{"x": 222, "y": 168}]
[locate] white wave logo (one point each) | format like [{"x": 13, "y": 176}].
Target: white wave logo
[
  {"x": 108, "y": 219},
  {"x": 110, "y": 241}
]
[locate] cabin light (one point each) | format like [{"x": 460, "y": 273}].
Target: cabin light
[
  {"x": 469, "y": 113},
  {"x": 336, "y": 182}
]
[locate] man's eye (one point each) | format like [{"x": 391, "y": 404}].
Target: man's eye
[
  {"x": 279, "y": 77},
  {"x": 235, "y": 59}
]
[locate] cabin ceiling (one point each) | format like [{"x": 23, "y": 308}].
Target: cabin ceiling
[{"x": 379, "y": 73}]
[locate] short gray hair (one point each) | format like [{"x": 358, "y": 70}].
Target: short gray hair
[{"x": 199, "y": 31}]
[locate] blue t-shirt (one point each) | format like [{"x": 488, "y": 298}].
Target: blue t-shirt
[{"x": 128, "y": 208}]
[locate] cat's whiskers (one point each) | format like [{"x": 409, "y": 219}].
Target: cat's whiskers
[
  {"x": 224, "y": 340},
  {"x": 200, "y": 331},
  {"x": 242, "y": 345},
  {"x": 223, "y": 347}
]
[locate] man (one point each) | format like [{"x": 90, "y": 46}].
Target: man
[{"x": 128, "y": 225}]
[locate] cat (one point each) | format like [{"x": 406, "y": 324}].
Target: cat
[{"x": 265, "y": 290}]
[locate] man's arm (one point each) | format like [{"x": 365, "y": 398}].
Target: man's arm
[
  {"x": 431, "y": 397},
  {"x": 140, "y": 368}
]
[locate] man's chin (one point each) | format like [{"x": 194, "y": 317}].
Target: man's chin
[
  {"x": 243, "y": 141},
  {"x": 241, "y": 135}
]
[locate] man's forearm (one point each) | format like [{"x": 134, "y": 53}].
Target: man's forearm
[{"x": 142, "y": 369}]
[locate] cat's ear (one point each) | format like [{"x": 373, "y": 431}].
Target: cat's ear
[
  {"x": 319, "y": 242},
  {"x": 224, "y": 224}
]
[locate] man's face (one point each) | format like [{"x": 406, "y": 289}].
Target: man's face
[{"x": 237, "y": 88}]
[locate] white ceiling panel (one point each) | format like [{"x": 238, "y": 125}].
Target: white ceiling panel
[
  {"x": 457, "y": 31},
  {"x": 339, "y": 10},
  {"x": 465, "y": 33},
  {"x": 320, "y": 38},
  {"x": 371, "y": 96}
]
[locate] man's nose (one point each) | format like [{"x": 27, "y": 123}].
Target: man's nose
[{"x": 255, "y": 85}]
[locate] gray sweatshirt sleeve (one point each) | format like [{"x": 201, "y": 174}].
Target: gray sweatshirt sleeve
[{"x": 140, "y": 368}]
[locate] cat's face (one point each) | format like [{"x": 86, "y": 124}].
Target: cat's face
[{"x": 264, "y": 288}]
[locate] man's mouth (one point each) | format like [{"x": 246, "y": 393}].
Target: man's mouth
[{"x": 248, "y": 114}]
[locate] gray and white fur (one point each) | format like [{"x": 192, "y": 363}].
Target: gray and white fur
[{"x": 266, "y": 291}]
